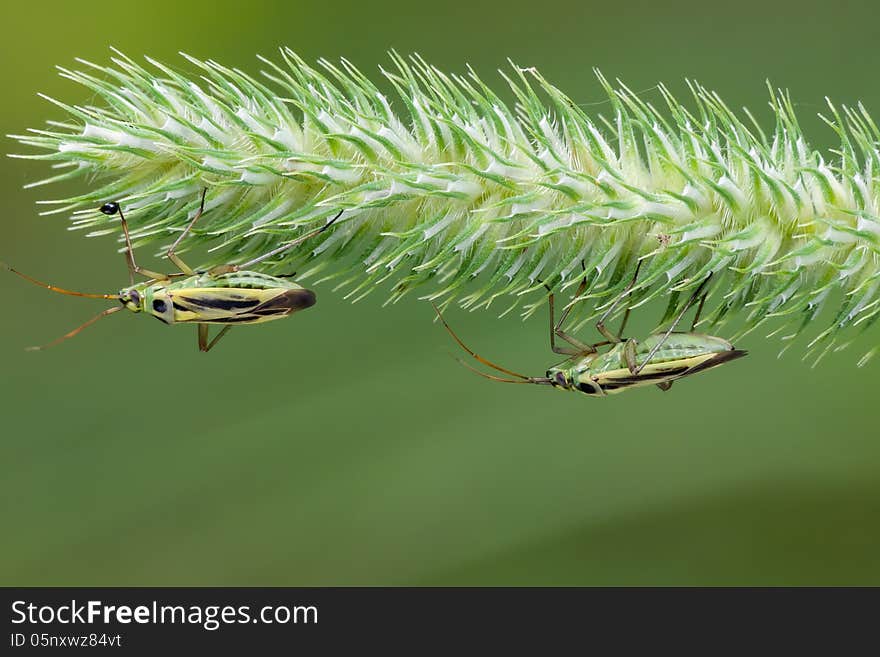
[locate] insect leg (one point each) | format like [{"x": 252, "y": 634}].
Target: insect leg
[
  {"x": 629, "y": 355},
  {"x": 186, "y": 269},
  {"x": 206, "y": 346},
  {"x": 600, "y": 325},
  {"x": 114, "y": 208},
  {"x": 555, "y": 329},
  {"x": 699, "y": 311},
  {"x": 675, "y": 323},
  {"x": 625, "y": 320},
  {"x": 284, "y": 247}
]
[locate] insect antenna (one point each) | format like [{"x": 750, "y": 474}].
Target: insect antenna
[
  {"x": 79, "y": 328},
  {"x": 55, "y": 288},
  {"x": 520, "y": 378},
  {"x": 492, "y": 377}
]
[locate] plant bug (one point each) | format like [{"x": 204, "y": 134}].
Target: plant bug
[
  {"x": 227, "y": 295},
  {"x": 660, "y": 359}
]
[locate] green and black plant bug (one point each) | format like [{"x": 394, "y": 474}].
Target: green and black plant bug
[
  {"x": 658, "y": 360},
  {"x": 228, "y": 295}
]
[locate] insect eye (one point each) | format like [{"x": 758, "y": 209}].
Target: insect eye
[
  {"x": 159, "y": 306},
  {"x": 560, "y": 379},
  {"x": 110, "y": 208},
  {"x": 134, "y": 297}
]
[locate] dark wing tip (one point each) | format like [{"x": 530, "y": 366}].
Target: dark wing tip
[
  {"x": 727, "y": 356},
  {"x": 299, "y": 299},
  {"x": 308, "y": 298},
  {"x": 718, "y": 359},
  {"x": 287, "y": 302}
]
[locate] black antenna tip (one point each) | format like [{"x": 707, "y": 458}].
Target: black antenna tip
[{"x": 110, "y": 208}]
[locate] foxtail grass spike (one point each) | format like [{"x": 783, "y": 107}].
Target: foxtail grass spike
[{"x": 453, "y": 191}]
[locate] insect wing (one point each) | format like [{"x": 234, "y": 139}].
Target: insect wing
[
  {"x": 218, "y": 305},
  {"x": 664, "y": 372}
]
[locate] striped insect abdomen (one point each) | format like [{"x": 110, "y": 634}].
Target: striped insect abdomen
[
  {"x": 222, "y": 305},
  {"x": 679, "y": 355}
]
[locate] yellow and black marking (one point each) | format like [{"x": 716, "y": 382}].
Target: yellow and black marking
[
  {"x": 662, "y": 373},
  {"x": 228, "y": 295},
  {"x": 660, "y": 360},
  {"x": 226, "y": 305}
]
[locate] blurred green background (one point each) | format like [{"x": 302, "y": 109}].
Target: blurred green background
[{"x": 344, "y": 445}]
